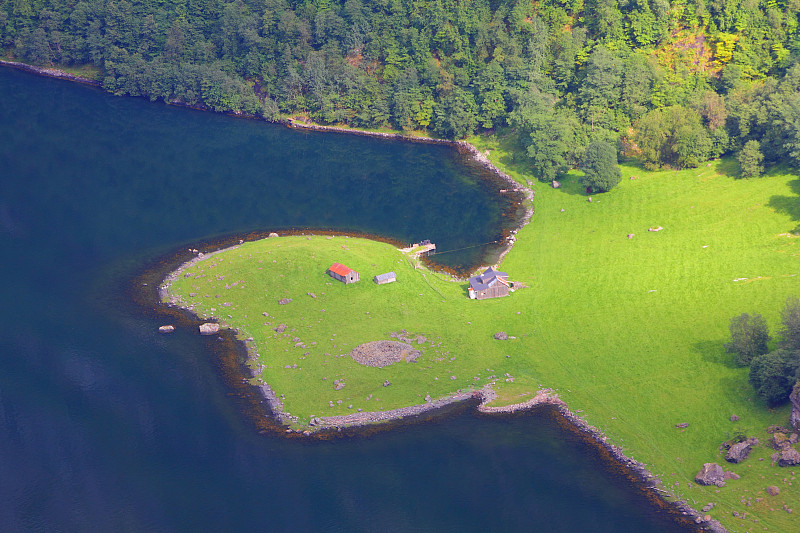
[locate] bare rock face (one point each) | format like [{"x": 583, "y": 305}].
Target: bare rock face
[
  {"x": 794, "y": 397},
  {"x": 710, "y": 474},
  {"x": 209, "y": 328},
  {"x": 739, "y": 452}
]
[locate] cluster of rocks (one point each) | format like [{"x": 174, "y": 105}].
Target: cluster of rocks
[
  {"x": 383, "y": 353},
  {"x": 405, "y": 336},
  {"x": 784, "y": 441}
]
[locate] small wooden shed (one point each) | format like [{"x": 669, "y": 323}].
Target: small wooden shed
[
  {"x": 491, "y": 284},
  {"x": 382, "y": 279},
  {"x": 343, "y": 273}
]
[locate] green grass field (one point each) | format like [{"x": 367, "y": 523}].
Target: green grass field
[{"x": 628, "y": 331}]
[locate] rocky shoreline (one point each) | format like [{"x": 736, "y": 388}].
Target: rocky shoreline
[
  {"x": 484, "y": 396},
  {"x": 49, "y": 72},
  {"x": 463, "y": 147}
]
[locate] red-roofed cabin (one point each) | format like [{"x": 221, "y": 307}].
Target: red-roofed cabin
[{"x": 343, "y": 273}]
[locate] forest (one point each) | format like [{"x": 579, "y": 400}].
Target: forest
[{"x": 672, "y": 83}]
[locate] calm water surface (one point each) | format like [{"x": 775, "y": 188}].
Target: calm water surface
[{"x": 107, "y": 426}]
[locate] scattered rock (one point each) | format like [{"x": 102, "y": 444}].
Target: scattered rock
[
  {"x": 708, "y": 507},
  {"x": 166, "y": 329},
  {"x": 682, "y": 425},
  {"x": 209, "y": 328},
  {"x": 779, "y": 440},
  {"x": 789, "y": 457},
  {"x": 563, "y": 210},
  {"x": 387, "y": 383},
  {"x": 421, "y": 339},
  {"x": 311, "y": 294},
  {"x": 772, "y": 490},
  {"x": 556, "y": 185},
  {"x": 384, "y": 353},
  {"x": 284, "y": 301},
  {"x": 734, "y": 418},
  {"x": 710, "y": 474},
  {"x": 631, "y": 235},
  {"x": 739, "y": 452},
  {"x": 658, "y": 228},
  {"x": 773, "y": 428},
  {"x": 501, "y": 336},
  {"x": 338, "y": 384}
]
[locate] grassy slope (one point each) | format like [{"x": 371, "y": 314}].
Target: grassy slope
[{"x": 629, "y": 331}]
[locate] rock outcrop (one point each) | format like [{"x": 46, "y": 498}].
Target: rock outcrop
[
  {"x": 739, "y": 452},
  {"x": 710, "y": 474},
  {"x": 794, "y": 397}
]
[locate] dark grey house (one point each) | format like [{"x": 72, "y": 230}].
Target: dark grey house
[{"x": 491, "y": 284}]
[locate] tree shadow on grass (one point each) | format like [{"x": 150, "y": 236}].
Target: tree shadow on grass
[
  {"x": 714, "y": 352},
  {"x": 729, "y": 167},
  {"x": 788, "y": 205}
]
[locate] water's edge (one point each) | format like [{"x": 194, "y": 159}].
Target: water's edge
[{"x": 266, "y": 413}]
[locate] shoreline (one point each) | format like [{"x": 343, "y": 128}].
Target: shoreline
[
  {"x": 543, "y": 397},
  {"x": 270, "y": 416}
]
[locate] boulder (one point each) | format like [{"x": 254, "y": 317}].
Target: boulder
[
  {"x": 338, "y": 384},
  {"x": 734, "y": 418},
  {"x": 730, "y": 475},
  {"x": 794, "y": 397},
  {"x": 773, "y": 490},
  {"x": 284, "y": 301},
  {"x": 209, "y": 328},
  {"x": 710, "y": 474},
  {"x": 273, "y": 234},
  {"x": 281, "y": 328},
  {"x": 682, "y": 425},
  {"x": 789, "y": 457},
  {"x": 501, "y": 336},
  {"x": 631, "y": 235},
  {"x": 556, "y": 185},
  {"x": 739, "y": 452},
  {"x": 166, "y": 329},
  {"x": 779, "y": 440},
  {"x": 387, "y": 383}
]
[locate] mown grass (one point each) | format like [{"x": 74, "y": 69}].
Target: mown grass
[{"x": 628, "y": 331}]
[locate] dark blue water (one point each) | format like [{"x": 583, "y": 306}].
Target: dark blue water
[{"x": 107, "y": 426}]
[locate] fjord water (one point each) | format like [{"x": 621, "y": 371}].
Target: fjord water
[{"x": 107, "y": 426}]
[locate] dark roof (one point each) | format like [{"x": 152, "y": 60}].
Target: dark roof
[
  {"x": 340, "y": 269},
  {"x": 489, "y": 278}
]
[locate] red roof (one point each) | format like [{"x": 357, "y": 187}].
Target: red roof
[{"x": 340, "y": 269}]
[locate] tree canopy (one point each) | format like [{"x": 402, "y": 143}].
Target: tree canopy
[{"x": 560, "y": 74}]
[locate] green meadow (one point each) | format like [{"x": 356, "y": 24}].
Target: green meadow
[{"x": 628, "y": 331}]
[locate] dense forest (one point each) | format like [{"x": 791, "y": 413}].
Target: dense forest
[{"x": 675, "y": 82}]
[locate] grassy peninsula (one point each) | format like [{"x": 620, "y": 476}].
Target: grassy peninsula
[{"x": 628, "y": 331}]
